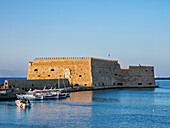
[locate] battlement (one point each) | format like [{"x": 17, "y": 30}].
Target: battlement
[
  {"x": 55, "y": 59},
  {"x": 59, "y": 58}
]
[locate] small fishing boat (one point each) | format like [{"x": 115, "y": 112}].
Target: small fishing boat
[
  {"x": 63, "y": 94},
  {"x": 48, "y": 94},
  {"x": 31, "y": 95},
  {"x": 23, "y": 103},
  {"x": 51, "y": 97},
  {"x": 39, "y": 94}
]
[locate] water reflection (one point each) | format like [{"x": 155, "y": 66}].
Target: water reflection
[
  {"x": 107, "y": 96},
  {"x": 100, "y": 108},
  {"x": 24, "y": 109},
  {"x": 85, "y": 96},
  {"x": 7, "y": 104},
  {"x": 133, "y": 89}
]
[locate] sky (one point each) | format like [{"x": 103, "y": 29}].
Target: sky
[{"x": 131, "y": 31}]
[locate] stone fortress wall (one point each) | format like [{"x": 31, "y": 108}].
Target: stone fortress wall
[
  {"x": 76, "y": 69},
  {"x": 109, "y": 73},
  {"x": 136, "y": 75},
  {"x": 26, "y": 85},
  {"x": 91, "y": 72}
]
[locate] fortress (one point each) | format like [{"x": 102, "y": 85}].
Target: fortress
[{"x": 86, "y": 72}]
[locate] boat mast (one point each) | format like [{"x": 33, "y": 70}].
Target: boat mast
[{"x": 58, "y": 79}]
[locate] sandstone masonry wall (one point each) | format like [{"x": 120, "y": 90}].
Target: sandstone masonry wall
[
  {"x": 76, "y": 69},
  {"x": 25, "y": 85},
  {"x": 136, "y": 76},
  {"x": 91, "y": 72},
  {"x": 104, "y": 72}
]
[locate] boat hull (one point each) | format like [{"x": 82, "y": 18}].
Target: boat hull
[
  {"x": 19, "y": 104},
  {"x": 29, "y": 97},
  {"x": 51, "y": 97}
]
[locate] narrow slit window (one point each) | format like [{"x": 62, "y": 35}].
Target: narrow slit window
[{"x": 120, "y": 84}]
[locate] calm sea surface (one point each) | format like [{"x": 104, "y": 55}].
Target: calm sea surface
[
  {"x": 94, "y": 109},
  {"x": 2, "y": 79}
]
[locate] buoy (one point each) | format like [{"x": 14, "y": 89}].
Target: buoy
[{"x": 153, "y": 110}]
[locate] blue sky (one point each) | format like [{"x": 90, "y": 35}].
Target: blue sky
[{"x": 132, "y": 31}]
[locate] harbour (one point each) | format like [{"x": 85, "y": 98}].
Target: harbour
[
  {"x": 84, "y": 64},
  {"x": 98, "y": 108},
  {"x": 79, "y": 74}
]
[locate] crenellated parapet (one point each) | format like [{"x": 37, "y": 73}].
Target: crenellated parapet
[
  {"x": 55, "y": 59},
  {"x": 60, "y": 58}
]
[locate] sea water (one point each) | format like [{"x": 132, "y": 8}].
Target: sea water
[
  {"x": 94, "y": 109},
  {"x": 2, "y": 79}
]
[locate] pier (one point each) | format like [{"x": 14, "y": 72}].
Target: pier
[{"x": 162, "y": 78}]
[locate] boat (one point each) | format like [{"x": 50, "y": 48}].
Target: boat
[
  {"x": 31, "y": 95},
  {"x": 39, "y": 94},
  {"x": 63, "y": 94},
  {"x": 49, "y": 94},
  {"x": 23, "y": 103}
]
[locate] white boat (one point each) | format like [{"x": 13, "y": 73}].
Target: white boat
[
  {"x": 49, "y": 94},
  {"x": 23, "y": 103},
  {"x": 59, "y": 92},
  {"x": 31, "y": 95},
  {"x": 62, "y": 94},
  {"x": 39, "y": 94},
  {"x": 51, "y": 97}
]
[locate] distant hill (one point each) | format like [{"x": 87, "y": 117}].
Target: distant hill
[{"x": 13, "y": 73}]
